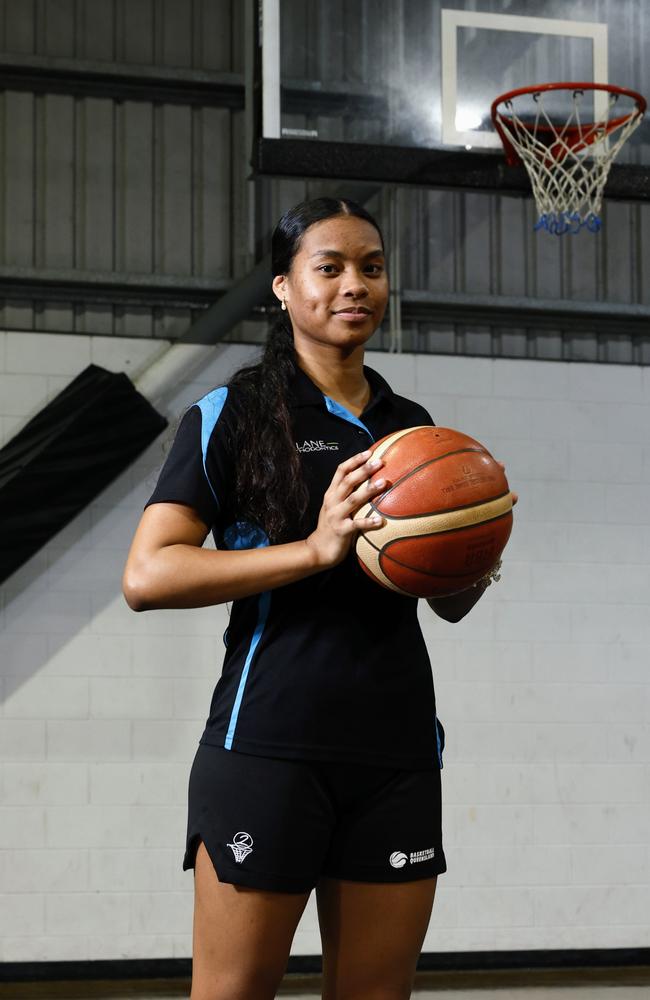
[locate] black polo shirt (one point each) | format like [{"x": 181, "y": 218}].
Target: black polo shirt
[{"x": 334, "y": 666}]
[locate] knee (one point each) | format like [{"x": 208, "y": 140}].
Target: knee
[
  {"x": 234, "y": 987},
  {"x": 370, "y": 991},
  {"x": 396, "y": 989}
]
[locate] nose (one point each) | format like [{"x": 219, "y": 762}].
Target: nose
[{"x": 354, "y": 286}]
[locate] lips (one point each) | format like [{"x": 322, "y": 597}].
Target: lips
[{"x": 356, "y": 311}]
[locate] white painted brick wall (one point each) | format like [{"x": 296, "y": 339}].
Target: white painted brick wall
[{"x": 543, "y": 689}]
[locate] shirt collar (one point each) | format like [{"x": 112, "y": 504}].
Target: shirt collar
[{"x": 303, "y": 392}]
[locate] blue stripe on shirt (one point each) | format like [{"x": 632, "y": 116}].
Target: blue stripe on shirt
[{"x": 210, "y": 407}]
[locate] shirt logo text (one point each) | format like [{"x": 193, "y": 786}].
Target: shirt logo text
[{"x": 318, "y": 446}]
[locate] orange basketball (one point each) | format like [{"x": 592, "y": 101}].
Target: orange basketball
[{"x": 447, "y": 513}]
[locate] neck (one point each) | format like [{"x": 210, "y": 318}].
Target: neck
[{"x": 337, "y": 375}]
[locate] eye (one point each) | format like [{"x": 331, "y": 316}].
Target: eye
[
  {"x": 328, "y": 268},
  {"x": 374, "y": 268}
]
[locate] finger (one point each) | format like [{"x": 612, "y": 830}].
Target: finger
[
  {"x": 355, "y": 478},
  {"x": 369, "y": 523},
  {"x": 350, "y": 465},
  {"x": 365, "y": 492}
]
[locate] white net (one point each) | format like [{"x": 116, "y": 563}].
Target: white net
[{"x": 567, "y": 163}]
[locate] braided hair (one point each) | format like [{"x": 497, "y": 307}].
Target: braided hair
[{"x": 270, "y": 488}]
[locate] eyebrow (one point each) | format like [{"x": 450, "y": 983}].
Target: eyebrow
[{"x": 337, "y": 253}]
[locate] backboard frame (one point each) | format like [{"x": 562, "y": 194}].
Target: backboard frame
[{"x": 452, "y": 20}]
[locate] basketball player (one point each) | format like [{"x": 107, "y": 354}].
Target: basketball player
[{"x": 320, "y": 761}]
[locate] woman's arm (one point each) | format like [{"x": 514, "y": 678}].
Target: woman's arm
[
  {"x": 168, "y": 568},
  {"x": 453, "y": 608}
]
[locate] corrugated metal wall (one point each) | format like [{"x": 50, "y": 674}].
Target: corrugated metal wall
[
  {"x": 197, "y": 34},
  {"x": 126, "y": 214},
  {"x": 120, "y": 191}
]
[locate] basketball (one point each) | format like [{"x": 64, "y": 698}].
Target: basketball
[{"x": 447, "y": 513}]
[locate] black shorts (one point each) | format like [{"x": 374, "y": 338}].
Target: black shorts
[{"x": 272, "y": 823}]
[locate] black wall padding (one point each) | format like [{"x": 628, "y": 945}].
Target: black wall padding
[{"x": 82, "y": 440}]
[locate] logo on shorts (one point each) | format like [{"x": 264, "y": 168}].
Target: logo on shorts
[
  {"x": 426, "y": 855},
  {"x": 242, "y": 845},
  {"x": 398, "y": 859}
]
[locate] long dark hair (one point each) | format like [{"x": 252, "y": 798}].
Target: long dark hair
[{"x": 270, "y": 489}]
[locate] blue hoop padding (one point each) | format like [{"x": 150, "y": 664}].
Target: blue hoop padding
[{"x": 561, "y": 223}]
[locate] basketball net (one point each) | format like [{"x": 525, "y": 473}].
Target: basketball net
[{"x": 567, "y": 162}]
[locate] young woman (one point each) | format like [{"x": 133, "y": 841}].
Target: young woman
[{"x": 320, "y": 762}]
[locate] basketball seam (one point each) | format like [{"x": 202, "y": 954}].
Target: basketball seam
[
  {"x": 433, "y": 513},
  {"x": 431, "y": 461},
  {"x": 378, "y": 571},
  {"x": 433, "y": 534},
  {"x": 425, "y": 572},
  {"x": 383, "y": 446},
  {"x": 428, "y": 572}
]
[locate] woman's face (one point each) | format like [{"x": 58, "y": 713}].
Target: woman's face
[{"x": 337, "y": 289}]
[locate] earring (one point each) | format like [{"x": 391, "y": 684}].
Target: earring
[{"x": 284, "y": 305}]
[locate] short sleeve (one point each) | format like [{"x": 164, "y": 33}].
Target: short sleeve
[
  {"x": 196, "y": 468},
  {"x": 417, "y": 415},
  {"x": 425, "y": 419}
]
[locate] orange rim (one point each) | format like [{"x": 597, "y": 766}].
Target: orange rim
[{"x": 572, "y": 134}]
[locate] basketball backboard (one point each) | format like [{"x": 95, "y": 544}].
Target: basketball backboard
[{"x": 400, "y": 90}]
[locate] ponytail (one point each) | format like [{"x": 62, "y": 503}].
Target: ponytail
[{"x": 270, "y": 489}]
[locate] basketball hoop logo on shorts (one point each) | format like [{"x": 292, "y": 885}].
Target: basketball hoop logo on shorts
[{"x": 242, "y": 845}]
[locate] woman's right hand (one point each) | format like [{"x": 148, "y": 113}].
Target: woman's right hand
[
  {"x": 167, "y": 566},
  {"x": 351, "y": 488}
]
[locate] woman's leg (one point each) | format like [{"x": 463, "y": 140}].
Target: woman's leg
[
  {"x": 242, "y": 937},
  {"x": 372, "y": 935}
]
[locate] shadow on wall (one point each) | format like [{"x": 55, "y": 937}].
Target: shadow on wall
[
  {"x": 63, "y": 614},
  {"x": 71, "y": 588}
]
